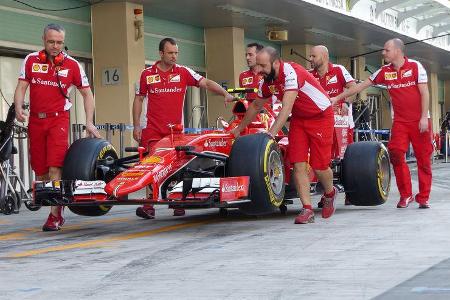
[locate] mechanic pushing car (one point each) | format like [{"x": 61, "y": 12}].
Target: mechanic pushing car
[
  {"x": 406, "y": 81},
  {"x": 164, "y": 84},
  {"x": 311, "y": 128},
  {"x": 334, "y": 79},
  {"x": 50, "y": 73}
]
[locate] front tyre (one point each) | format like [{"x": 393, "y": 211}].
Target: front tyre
[
  {"x": 259, "y": 157},
  {"x": 80, "y": 163}
]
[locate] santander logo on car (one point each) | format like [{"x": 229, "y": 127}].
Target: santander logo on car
[{"x": 228, "y": 188}]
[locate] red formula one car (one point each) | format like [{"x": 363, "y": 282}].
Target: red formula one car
[{"x": 209, "y": 169}]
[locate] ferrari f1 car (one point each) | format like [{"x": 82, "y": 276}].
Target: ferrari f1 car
[{"x": 209, "y": 169}]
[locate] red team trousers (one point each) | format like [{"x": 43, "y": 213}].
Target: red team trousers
[{"x": 402, "y": 134}]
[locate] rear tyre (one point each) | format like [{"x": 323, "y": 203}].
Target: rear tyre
[
  {"x": 259, "y": 157},
  {"x": 366, "y": 173},
  {"x": 81, "y": 163}
]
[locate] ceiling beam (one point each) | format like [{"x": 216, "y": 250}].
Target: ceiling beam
[
  {"x": 442, "y": 28},
  {"x": 352, "y": 3},
  {"x": 382, "y": 6},
  {"x": 402, "y": 16},
  {"x": 440, "y": 18}
]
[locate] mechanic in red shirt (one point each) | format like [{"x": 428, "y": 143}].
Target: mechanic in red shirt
[
  {"x": 50, "y": 74},
  {"x": 406, "y": 81},
  {"x": 164, "y": 84},
  {"x": 334, "y": 79},
  {"x": 251, "y": 77},
  {"x": 311, "y": 128}
]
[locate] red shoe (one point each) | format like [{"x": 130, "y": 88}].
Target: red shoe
[
  {"x": 404, "y": 202},
  {"x": 146, "y": 212},
  {"x": 328, "y": 204},
  {"x": 54, "y": 223},
  {"x": 305, "y": 216},
  {"x": 422, "y": 203},
  {"x": 178, "y": 212}
]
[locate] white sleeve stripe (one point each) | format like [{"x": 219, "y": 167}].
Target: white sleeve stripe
[
  {"x": 422, "y": 76},
  {"x": 194, "y": 74},
  {"x": 375, "y": 74},
  {"x": 347, "y": 77},
  {"x": 319, "y": 98},
  {"x": 291, "y": 79}
]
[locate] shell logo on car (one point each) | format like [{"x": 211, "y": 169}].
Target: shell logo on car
[{"x": 152, "y": 160}]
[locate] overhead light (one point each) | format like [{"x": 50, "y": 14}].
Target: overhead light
[
  {"x": 251, "y": 13},
  {"x": 276, "y": 34},
  {"x": 329, "y": 34}
]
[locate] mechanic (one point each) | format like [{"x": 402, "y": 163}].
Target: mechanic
[
  {"x": 406, "y": 81},
  {"x": 334, "y": 79},
  {"x": 311, "y": 129},
  {"x": 50, "y": 73},
  {"x": 251, "y": 77},
  {"x": 164, "y": 84}
]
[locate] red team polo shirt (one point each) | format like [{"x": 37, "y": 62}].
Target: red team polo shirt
[
  {"x": 403, "y": 89},
  {"x": 312, "y": 101},
  {"x": 248, "y": 79},
  {"x": 334, "y": 82},
  {"x": 45, "y": 95},
  {"x": 165, "y": 92}
]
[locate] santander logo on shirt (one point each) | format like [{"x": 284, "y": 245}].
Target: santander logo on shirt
[
  {"x": 46, "y": 82},
  {"x": 401, "y": 85},
  {"x": 166, "y": 90}
]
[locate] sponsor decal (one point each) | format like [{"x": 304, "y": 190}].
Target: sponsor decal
[
  {"x": 247, "y": 80},
  {"x": 406, "y": 73},
  {"x": 333, "y": 92},
  {"x": 152, "y": 160},
  {"x": 46, "y": 82},
  {"x": 332, "y": 80},
  {"x": 390, "y": 75},
  {"x": 63, "y": 73},
  {"x": 104, "y": 150},
  {"x": 153, "y": 79},
  {"x": 401, "y": 85},
  {"x": 163, "y": 173},
  {"x": 131, "y": 174},
  {"x": 39, "y": 68},
  {"x": 234, "y": 188},
  {"x": 166, "y": 90},
  {"x": 341, "y": 121},
  {"x": 215, "y": 143},
  {"x": 273, "y": 89},
  {"x": 174, "y": 78}
]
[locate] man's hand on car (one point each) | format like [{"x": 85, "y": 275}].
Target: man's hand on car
[
  {"x": 228, "y": 98},
  {"x": 91, "y": 131},
  {"x": 236, "y": 131},
  {"x": 137, "y": 132}
]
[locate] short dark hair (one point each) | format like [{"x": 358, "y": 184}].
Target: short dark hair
[
  {"x": 164, "y": 41},
  {"x": 55, "y": 27},
  {"x": 257, "y": 45},
  {"x": 273, "y": 53}
]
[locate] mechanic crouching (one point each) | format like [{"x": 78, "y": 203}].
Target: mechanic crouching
[
  {"x": 50, "y": 73},
  {"x": 164, "y": 84},
  {"x": 311, "y": 128}
]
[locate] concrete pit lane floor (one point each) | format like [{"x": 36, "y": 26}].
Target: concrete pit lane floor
[{"x": 359, "y": 253}]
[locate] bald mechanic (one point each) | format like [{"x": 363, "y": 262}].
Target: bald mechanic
[
  {"x": 334, "y": 79},
  {"x": 406, "y": 81},
  {"x": 311, "y": 129},
  {"x": 165, "y": 83}
]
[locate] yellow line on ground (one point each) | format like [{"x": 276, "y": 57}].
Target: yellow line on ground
[
  {"x": 99, "y": 242},
  {"x": 12, "y": 236}
]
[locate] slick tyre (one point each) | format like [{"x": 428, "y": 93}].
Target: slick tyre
[
  {"x": 259, "y": 157},
  {"x": 366, "y": 173},
  {"x": 81, "y": 163}
]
